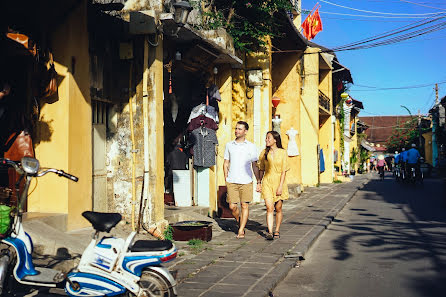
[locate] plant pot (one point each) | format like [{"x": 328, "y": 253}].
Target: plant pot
[
  {"x": 187, "y": 230},
  {"x": 352, "y": 172}
]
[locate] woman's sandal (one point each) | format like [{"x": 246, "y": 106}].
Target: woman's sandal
[
  {"x": 269, "y": 236},
  {"x": 276, "y": 235}
]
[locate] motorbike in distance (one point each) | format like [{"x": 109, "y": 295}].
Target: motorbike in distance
[{"x": 109, "y": 266}]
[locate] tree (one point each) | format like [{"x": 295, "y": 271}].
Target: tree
[{"x": 248, "y": 22}]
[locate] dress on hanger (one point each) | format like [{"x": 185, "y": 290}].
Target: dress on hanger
[{"x": 292, "y": 150}]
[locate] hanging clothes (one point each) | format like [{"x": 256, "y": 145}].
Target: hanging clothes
[
  {"x": 292, "y": 149},
  {"x": 204, "y": 141},
  {"x": 203, "y": 109},
  {"x": 214, "y": 94},
  {"x": 202, "y": 120},
  {"x": 335, "y": 156},
  {"x": 321, "y": 161}
]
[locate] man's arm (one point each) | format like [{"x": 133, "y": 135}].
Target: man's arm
[
  {"x": 256, "y": 171},
  {"x": 226, "y": 168}
]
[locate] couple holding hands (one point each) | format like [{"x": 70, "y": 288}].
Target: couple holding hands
[{"x": 240, "y": 162}]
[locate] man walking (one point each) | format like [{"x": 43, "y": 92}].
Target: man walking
[{"x": 240, "y": 162}]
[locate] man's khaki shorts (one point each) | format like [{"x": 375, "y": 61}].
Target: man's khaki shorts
[{"x": 239, "y": 193}]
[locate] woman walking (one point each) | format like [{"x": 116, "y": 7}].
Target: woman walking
[{"x": 273, "y": 165}]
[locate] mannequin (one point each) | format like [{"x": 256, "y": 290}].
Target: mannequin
[{"x": 292, "y": 145}]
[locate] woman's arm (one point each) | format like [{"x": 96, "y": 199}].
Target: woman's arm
[{"x": 282, "y": 180}]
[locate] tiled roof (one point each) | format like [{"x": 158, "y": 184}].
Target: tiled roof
[{"x": 381, "y": 127}]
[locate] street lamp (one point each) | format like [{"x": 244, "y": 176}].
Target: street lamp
[
  {"x": 182, "y": 10},
  {"x": 407, "y": 110}
]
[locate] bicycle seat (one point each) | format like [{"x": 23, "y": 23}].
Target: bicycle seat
[
  {"x": 102, "y": 221},
  {"x": 151, "y": 245}
]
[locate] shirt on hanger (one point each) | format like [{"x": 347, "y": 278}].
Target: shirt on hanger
[
  {"x": 204, "y": 141},
  {"x": 197, "y": 123}
]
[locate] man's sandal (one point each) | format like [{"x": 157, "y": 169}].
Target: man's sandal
[
  {"x": 269, "y": 236},
  {"x": 276, "y": 235}
]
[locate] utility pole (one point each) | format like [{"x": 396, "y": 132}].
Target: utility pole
[
  {"x": 420, "y": 141},
  {"x": 435, "y": 123}
]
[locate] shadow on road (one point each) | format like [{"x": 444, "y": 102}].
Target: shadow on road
[{"x": 418, "y": 235}]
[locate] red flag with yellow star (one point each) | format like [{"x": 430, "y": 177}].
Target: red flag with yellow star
[{"x": 316, "y": 24}]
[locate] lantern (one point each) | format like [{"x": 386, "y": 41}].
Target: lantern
[
  {"x": 182, "y": 9},
  {"x": 275, "y": 100}
]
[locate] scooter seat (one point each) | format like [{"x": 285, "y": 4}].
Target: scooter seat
[
  {"x": 151, "y": 245},
  {"x": 102, "y": 221}
]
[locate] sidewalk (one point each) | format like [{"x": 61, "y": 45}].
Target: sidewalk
[{"x": 253, "y": 266}]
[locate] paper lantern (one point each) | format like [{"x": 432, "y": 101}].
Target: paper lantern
[{"x": 275, "y": 101}]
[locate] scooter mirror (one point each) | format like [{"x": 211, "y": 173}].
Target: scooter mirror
[{"x": 30, "y": 165}]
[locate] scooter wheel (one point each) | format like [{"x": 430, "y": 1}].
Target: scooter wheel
[{"x": 154, "y": 284}]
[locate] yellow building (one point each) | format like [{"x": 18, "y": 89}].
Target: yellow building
[{"x": 125, "y": 97}]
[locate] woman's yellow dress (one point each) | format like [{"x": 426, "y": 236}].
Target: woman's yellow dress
[{"x": 273, "y": 168}]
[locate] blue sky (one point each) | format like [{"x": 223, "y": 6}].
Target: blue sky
[{"x": 418, "y": 61}]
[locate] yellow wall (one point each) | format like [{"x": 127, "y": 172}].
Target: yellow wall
[
  {"x": 225, "y": 132},
  {"x": 64, "y": 132},
  {"x": 337, "y": 143},
  {"x": 309, "y": 118},
  {"x": 428, "y": 147},
  {"x": 286, "y": 86},
  {"x": 326, "y": 128}
]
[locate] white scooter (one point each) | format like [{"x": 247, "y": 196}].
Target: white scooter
[{"x": 108, "y": 267}]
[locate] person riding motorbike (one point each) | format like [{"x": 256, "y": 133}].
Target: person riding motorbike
[
  {"x": 403, "y": 160},
  {"x": 396, "y": 161},
  {"x": 380, "y": 165},
  {"x": 412, "y": 159}
]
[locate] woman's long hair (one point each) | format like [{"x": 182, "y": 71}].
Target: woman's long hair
[{"x": 276, "y": 137}]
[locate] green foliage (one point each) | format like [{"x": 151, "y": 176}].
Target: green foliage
[
  {"x": 337, "y": 181},
  {"x": 249, "y": 22},
  {"x": 403, "y": 136},
  {"x": 168, "y": 233},
  {"x": 196, "y": 245},
  {"x": 353, "y": 158}
]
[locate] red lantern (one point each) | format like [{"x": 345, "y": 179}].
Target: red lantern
[{"x": 276, "y": 101}]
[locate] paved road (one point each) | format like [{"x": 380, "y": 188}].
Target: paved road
[{"x": 390, "y": 240}]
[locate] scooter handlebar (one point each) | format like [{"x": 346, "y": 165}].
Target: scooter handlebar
[{"x": 67, "y": 175}]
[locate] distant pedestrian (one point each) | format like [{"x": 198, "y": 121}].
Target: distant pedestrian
[
  {"x": 372, "y": 163},
  {"x": 273, "y": 165},
  {"x": 240, "y": 162}
]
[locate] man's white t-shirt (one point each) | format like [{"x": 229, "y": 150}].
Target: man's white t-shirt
[{"x": 240, "y": 156}]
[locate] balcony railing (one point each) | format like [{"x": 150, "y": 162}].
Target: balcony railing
[{"x": 324, "y": 101}]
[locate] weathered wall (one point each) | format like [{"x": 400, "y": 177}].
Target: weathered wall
[
  {"x": 64, "y": 132},
  {"x": 309, "y": 118},
  {"x": 286, "y": 86}
]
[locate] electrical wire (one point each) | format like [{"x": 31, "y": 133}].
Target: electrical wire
[
  {"x": 396, "y": 88},
  {"x": 392, "y": 32},
  {"x": 322, "y": 12},
  {"x": 419, "y": 4},
  {"x": 383, "y": 13},
  {"x": 393, "y": 40}
]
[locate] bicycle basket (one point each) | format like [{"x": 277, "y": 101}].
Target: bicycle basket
[{"x": 5, "y": 210}]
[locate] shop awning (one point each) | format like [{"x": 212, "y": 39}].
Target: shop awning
[
  {"x": 187, "y": 35},
  {"x": 367, "y": 146}
]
